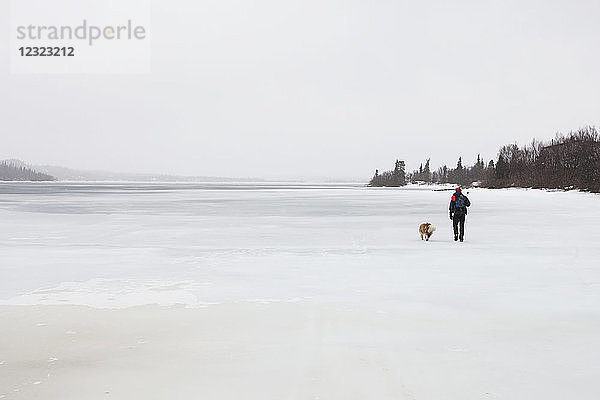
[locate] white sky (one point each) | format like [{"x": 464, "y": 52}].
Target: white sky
[{"x": 316, "y": 88}]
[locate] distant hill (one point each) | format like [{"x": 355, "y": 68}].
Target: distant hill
[
  {"x": 70, "y": 174},
  {"x": 17, "y": 170},
  {"x": 54, "y": 172}
]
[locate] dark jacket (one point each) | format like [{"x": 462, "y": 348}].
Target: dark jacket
[{"x": 459, "y": 210}]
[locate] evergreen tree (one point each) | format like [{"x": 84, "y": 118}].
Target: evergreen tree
[
  {"x": 501, "y": 170},
  {"x": 426, "y": 174},
  {"x": 399, "y": 173}
]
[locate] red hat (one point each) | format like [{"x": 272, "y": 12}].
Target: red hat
[{"x": 457, "y": 189}]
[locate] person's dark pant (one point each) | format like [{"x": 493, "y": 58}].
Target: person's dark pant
[{"x": 458, "y": 222}]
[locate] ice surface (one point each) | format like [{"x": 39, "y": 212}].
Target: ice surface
[
  {"x": 118, "y": 245},
  {"x": 356, "y": 302}
]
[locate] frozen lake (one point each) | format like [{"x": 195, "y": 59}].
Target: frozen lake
[
  {"x": 115, "y": 245},
  {"x": 514, "y": 312}
]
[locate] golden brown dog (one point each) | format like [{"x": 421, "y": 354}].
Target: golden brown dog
[{"x": 426, "y": 230}]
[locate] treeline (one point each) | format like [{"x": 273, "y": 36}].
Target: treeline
[
  {"x": 394, "y": 178},
  {"x": 570, "y": 161},
  {"x": 11, "y": 172},
  {"x": 461, "y": 175}
]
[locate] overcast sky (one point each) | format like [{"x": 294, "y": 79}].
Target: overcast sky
[{"x": 316, "y": 88}]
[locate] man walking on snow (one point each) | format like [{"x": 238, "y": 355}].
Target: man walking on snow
[{"x": 458, "y": 212}]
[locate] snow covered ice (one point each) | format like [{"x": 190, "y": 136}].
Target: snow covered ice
[{"x": 511, "y": 313}]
